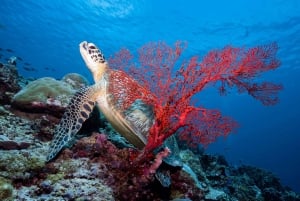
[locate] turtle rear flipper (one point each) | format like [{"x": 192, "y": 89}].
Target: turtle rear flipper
[
  {"x": 172, "y": 161},
  {"x": 78, "y": 110}
]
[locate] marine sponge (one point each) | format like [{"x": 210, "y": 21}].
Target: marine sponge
[{"x": 43, "y": 95}]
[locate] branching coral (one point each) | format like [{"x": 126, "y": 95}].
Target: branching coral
[{"x": 174, "y": 84}]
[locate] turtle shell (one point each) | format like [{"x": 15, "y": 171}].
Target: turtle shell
[{"x": 128, "y": 107}]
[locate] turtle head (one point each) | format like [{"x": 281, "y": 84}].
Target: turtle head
[{"x": 93, "y": 58}]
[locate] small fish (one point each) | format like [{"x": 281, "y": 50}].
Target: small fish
[
  {"x": 27, "y": 68},
  {"x": 47, "y": 68},
  {"x": 27, "y": 64},
  {"x": 1, "y": 49},
  {"x": 19, "y": 58},
  {"x": 9, "y": 50},
  {"x": 34, "y": 69}
]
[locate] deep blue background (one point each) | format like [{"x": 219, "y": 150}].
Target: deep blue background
[{"x": 46, "y": 34}]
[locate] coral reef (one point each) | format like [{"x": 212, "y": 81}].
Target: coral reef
[
  {"x": 21, "y": 152},
  {"x": 97, "y": 168},
  {"x": 73, "y": 179},
  {"x": 128, "y": 180},
  {"x": 221, "y": 181},
  {"x": 8, "y": 82}
]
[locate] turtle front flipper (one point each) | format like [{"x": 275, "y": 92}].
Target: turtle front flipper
[{"x": 78, "y": 110}]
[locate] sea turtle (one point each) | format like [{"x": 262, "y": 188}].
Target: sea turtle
[
  {"x": 122, "y": 101},
  {"x": 115, "y": 93}
]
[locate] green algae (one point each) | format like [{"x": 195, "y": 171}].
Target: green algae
[{"x": 6, "y": 190}]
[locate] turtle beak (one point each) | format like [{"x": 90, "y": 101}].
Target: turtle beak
[
  {"x": 84, "y": 45},
  {"x": 84, "y": 51}
]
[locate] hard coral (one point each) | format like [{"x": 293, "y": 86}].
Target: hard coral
[
  {"x": 76, "y": 80},
  {"x": 43, "y": 95}
]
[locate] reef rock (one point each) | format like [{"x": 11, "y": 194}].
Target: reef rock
[
  {"x": 72, "y": 180},
  {"x": 8, "y": 82}
]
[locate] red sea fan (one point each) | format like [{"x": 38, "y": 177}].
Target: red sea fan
[{"x": 173, "y": 85}]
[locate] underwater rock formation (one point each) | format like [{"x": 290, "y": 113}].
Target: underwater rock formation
[
  {"x": 221, "y": 181},
  {"x": 8, "y": 82},
  {"x": 20, "y": 151},
  {"x": 74, "y": 179}
]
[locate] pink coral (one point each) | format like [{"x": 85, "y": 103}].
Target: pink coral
[{"x": 157, "y": 162}]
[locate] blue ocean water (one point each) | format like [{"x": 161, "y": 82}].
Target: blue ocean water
[{"x": 45, "y": 35}]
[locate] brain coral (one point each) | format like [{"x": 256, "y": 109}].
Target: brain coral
[{"x": 43, "y": 95}]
